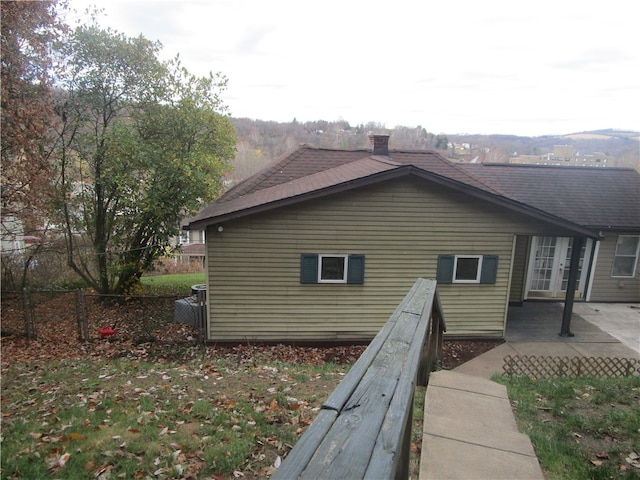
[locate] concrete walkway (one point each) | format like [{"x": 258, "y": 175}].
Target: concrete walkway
[
  {"x": 470, "y": 432},
  {"x": 469, "y": 428}
]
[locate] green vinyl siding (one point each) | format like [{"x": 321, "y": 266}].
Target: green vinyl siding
[
  {"x": 400, "y": 227},
  {"x": 519, "y": 274},
  {"x": 613, "y": 289}
]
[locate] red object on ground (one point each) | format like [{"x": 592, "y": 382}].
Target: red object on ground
[{"x": 107, "y": 331}]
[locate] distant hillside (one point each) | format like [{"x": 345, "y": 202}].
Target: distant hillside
[
  {"x": 262, "y": 142},
  {"x": 607, "y": 134}
]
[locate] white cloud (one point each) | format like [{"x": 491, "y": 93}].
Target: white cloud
[{"x": 457, "y": 66}]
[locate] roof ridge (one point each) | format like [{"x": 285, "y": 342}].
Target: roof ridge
[
  {"x": 383, "y": 159},
  {"x": 249, "y": 184},
  {"x": 335, "y": 168},
  {"x": 316, "y": 147}
]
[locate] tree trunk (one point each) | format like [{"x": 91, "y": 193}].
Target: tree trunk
[{"x": 101, "y": 235}]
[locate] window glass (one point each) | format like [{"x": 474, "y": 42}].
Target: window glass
[
  {"x": 627, "y": 246},
  {"x": 623, "y": 267},
  {"x": 626, "y": 256},
  {"x": 467, "y": 269},
  {"x": 333, "y": 268}
]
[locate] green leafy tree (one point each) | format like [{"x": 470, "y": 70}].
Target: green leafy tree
[
  {"x": 141, "y": 143},
  {"x": 442, "y": 142}
]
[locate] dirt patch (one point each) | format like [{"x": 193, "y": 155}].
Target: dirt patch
[{"x": 457, "y": 352}]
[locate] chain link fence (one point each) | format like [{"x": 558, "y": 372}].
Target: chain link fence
[{"x": 88, "y": 316}]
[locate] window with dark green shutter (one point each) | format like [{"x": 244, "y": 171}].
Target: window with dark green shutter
[
  {"x": 445, "y": 268},
  {"x": 327, "y": 268},
  {"x": 308, "y": 268},
  {"x": 489, "y": 269},
  {"x": 467, "y": 269},
  {"x": 356, "y": 269}
]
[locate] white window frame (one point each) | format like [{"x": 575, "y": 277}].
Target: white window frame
[
  {"x": 615, "y": 255},
  {"x": 345, "y": 259},
  {"x": 184, "y": 238},
  {"x": 478, "y": 271}
]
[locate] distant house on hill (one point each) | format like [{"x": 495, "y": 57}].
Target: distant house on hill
[
  {"x": 565, "y": 155},
  {"x": 322, "y": 245}
]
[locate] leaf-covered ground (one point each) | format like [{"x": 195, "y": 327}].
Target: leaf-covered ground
[
  {"x": 145, "y": 331},
  {"x": 223, "y": 416}
]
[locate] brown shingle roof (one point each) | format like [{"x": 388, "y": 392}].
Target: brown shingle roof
[
  {"x": 555, "y": 193},
  {"x": 302, "y": 162},
  {"x": 600, "y": 198},
  {"x": 261, "y": 193}
]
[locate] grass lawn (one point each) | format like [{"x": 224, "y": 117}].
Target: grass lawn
[
  {"x": 213, "y": 417},
  {"x": 584, "y": 427},
  {"x": 173, "y": 283}
]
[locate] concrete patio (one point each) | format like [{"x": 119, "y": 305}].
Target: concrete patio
[{"x": 534, "y": 328}]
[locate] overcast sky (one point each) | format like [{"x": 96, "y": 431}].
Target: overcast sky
[{"x": 451, "y": 66}]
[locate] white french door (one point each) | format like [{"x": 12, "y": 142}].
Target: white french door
[{"x": 549, "y": 267}]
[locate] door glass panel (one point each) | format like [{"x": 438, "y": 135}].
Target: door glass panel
[
  {"x": 565, "y": 275},
  {"x": 543, "y": 263},
  {"x": 550, "y": 264}
]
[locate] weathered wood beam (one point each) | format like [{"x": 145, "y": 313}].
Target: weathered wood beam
[{"x": 364, "y": 427}]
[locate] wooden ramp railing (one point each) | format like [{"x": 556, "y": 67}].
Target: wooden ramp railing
[{"x": 364, "y": 428}]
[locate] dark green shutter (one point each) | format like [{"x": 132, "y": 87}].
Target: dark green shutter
[
  {"x": 308, "y": 268},
  {"x": 489, "y": 269},
  {"x": 355, "y": 272},
  {"x": 445, "y": 269}
]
